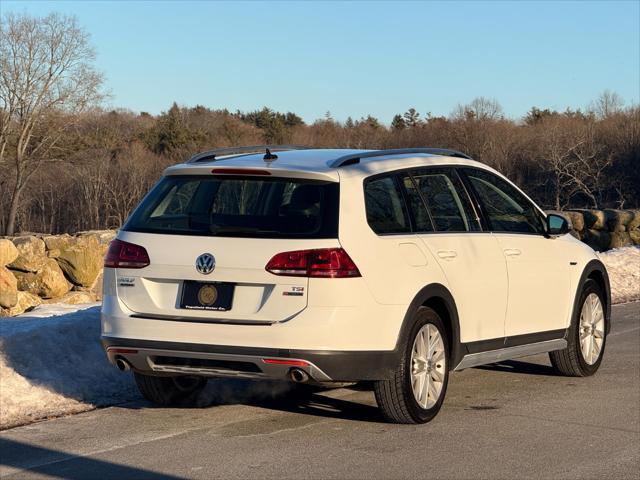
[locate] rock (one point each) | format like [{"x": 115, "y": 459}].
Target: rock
[
  {"x": 599, "y": 240},
  {"x": 95, "y": 289},
  {"x": 635, "y": 236},
  {"x": 593, "y": 219},
  {"x": 577, "y": 220},
  {"x": 575, "y": 234},
  {"x": 620, "y": 239},
  {"x": 8, "y": 288},
  {"x": 55, "y": 244},
  {"x": 31, "y": 254},
  {"x": 48, "y": 282},
  {"x": 74, "y": 298},
  {"x": 8, "y": 252},
  {"x": 635, "y": 222},
  {"x": 104, "y": 238},
  {"x": 617, "y": 220},
  {"x": 81, "y": 259},
  {"x": 26, "y": 302}
]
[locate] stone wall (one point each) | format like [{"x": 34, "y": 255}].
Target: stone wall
[
  {"x": 37, "y": 269},
  {"x": 604, "y": 229}
]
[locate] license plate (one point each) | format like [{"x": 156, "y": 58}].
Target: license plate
[{"x": 215, "y": 296}]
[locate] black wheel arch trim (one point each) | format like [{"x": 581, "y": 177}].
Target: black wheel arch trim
[
  {"x": 591, "y": 267},
  {"x": 429, "y": 292}
]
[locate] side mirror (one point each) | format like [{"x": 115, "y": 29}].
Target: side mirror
[{"x": 556, "y": 225}]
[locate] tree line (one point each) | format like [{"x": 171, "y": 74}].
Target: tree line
[{"x": 68, "y": 165}]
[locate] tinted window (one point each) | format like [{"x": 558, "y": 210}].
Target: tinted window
[
  {"x": 239, "y": 207},
  {"x": 447, "y": 201},
  {"x": 506, "y": 208},
  {"x": 386, "y": 211},
  {"x": 420, "y": 215}
]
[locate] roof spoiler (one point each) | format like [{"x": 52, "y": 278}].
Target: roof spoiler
[{"x": 356, "y": 157}]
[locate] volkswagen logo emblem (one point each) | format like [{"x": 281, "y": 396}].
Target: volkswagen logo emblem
[{"x": 205, "y": 263}]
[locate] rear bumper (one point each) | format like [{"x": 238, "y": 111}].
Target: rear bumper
[{"x": 163, "y": 358}]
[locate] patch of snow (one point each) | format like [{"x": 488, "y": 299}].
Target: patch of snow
[
  {"x": 623, "y": 267},
  {"x": 52, "y": 363}
]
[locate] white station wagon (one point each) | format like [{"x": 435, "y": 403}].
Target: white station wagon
[{"x": 327, "y": 266}]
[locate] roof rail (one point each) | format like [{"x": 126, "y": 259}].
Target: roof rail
[
  {"x": 354, "y": 158},
  {"x": 210, "y": 155}
]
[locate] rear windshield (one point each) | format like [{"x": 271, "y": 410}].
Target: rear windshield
[{"x": 239, "y": 207}]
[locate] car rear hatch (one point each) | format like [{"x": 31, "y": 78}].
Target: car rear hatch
[{"x": 209, "y": 238}]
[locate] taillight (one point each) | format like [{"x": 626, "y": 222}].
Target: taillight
[
  {"x": 126, "y": 255},
  {"x": 322, "y": 262}
]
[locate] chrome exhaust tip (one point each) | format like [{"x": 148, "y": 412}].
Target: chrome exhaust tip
[
  {"x": 298, "y": 375},
  {"x": 122, "y": 365}
]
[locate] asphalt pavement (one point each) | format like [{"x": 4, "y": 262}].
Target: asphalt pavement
[{"x": 510, "y": 420}]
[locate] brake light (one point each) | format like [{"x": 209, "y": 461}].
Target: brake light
[
  {"x": 126, "y": 255},
  {"x": 322, "y": 262},
  {"x": 239, "y": 171}
]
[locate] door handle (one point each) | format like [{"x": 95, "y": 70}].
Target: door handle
[
  {"x": 512, "y": 252},
  {"x": 447, "y": 254}
]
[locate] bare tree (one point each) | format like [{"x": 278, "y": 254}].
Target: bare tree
[
  {"x": 557, "y": 145},
  {"x": 607, "y": 104},
  {"x": 577, "y": 161},
  {"x": 47, "y": 77},
  {"x": 589, "y": 166},
  {"x": 480, "y": 108}
]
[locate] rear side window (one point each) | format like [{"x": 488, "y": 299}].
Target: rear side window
[
  {"x": 239, "y": 207},
  {"x": 447, "y": 200},
  {"x": 506, "y": 208},
  {"x": 386, "y": 210},
  {"x": 420, "y": 215}
]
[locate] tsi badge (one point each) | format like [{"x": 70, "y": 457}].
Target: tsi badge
[
  {"x": 205, "y": 263},
  {"x": 208, "y": 295}
]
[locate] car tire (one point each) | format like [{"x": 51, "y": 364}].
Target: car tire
[
  {"x": 177, "y": 391},
  {"x": 402, "y": 398},
  {"x": 588, "y": 329}
]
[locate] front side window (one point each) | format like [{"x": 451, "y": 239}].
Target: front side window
[
  {"x": 385, "y": 207},
  {"x": 239, "y": 207},
  {"x": 507, "y": 209},
  {"x": 446, "y": 199}
]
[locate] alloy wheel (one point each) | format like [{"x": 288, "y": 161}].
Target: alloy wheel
[
  {"x": 591, "y": 328},
  {"x": 428, "y": 366}
]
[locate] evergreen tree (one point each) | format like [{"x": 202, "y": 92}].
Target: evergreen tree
[
  {"x": 411, "y": 118},
  {"x": 371, "y": 122},
  {"x": 292, "y": 120},
  {"x": 398, "y": 123},
  {"x": 169, "y": 133}
]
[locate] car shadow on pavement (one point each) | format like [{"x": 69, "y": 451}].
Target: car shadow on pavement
[
  {"x": 43, "y": 461},
  {"x": 320, "y": 405},
  {"x": 515, "y": 366},
  {"x": 281, "y": 396}
]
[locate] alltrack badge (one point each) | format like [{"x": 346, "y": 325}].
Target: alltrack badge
[
  {"x": 205, "y": 263},
  {"x": 208, "y": 295}
]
